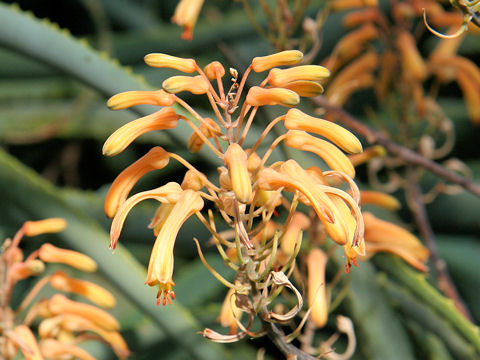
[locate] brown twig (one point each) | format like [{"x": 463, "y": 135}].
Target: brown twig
[
  {"x": 417, "y": 207},
  {"x": 409, "y": 156}
]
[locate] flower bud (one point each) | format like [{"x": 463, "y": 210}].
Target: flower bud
[
  {"x": 29, "y": 345},
  {"x": 59, "y": 304},
  {"x": 54, "y": 349},
  {"x": 281, "y": 77},
  {"x": 334, "y": 158},
  {"x": 236, "y": 161},
  {"x": 287, "y": 57},
  {"x": 258, "y": 96},
  {"x": 93, "y": 292},
  {"x": 52, "y": 225},
  {"x": 304, "y": 88},
  {"x": 297, "y": 120},
  {"x": 317, "y": 296},
  {"x": 165, "y": 118},
  {"x": 386, "y": 201},
  {"x": 131, "y": 98},
  {"x": 186, "y": 14},
  {"x": 52, "y": 254},
  {"x": 213, "y": 70},
  {"x": 195, "y": 84},
  {"x": 173, "y": 62},
  {"x": 412, "y": 61},
  {"x": 156, "y": 158}
]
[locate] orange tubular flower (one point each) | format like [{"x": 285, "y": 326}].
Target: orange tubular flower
[
  {"x": 156, "y": 158},
  {"x": 93, "y": 292},
  {"x": 289, "y": 238},
  {"x": 52, "y": 225},
  {"x": 305, "y": 88},
  {"x": 287, "y": 57},
  {"x": 29, "y": 345},
  {"x": 329, "y": 153},
  {"x": 75, "y": 323},
  {"x": 293, "y": 177},
  {"x": 173, "y": 62},
  {"x": 168, "y": 193},
  {"x": 281, "y": 77},
  {"x": 209, "y": 128},
  {"x": 52, "y": 254},
  {"x": 194, "y": 84},
  {"x": 340, "y": 5},
  {"x": 186, "y": 15},
  {"x": 160, "y": 267},
  {"x": 230, "y": 313},
  {"x": 411, "y": 59},
  {"x": 317, "y": 297},
  {"x": 213, "y": 69},
  {"x": 165, "y": 118},
  {"x": 57, "y": 350},
  {"x": 236, "y": 160},
  {"x": 60, "y": 304},
  {"x": 382, "y": 236},
  {"x": 297, "y": 120},
  {"x": 128, "y": 99},
  {"x": 380, "y": 199},
  {"x": 258, "y": 96}
]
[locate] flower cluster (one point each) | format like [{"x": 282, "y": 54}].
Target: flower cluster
[
  {"x": 64, "y": 323},
  {"x": 251, "y": 191}
]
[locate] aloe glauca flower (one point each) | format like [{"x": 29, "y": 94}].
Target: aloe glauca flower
[
  {"x": 156, "y": 158},
  {"x": 281, "y": 77},
  {"x": 28, "y": 345},
  {"x": 52, "y": 254},
  {"x": 287, "y": 57},
  {"x": 382, "y": 236},
  {"x": 258, "y": 96},
  {"x": 186, "y": 15},
  {"x": 131, "y": 98},
  {"x": 51, "y": 225},
  {"x": 317, "y": 297},
  {"x": 236, "y": 160},
  {"x": 93, "y": 292},
  {"x": 160, "y": 267},
  {"x": 163, "y": 119},
  {"x": 298, "y": 120},
  {"x": 58, "y": 330},
  {"x": 251, "y": 190}
]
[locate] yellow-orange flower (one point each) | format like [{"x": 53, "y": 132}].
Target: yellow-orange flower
[
  {"x": 329, "y": 153},
  {"x": 317, "y": 297},
  {"x": 288, "y": 57},
  {"x": 173, "y": 62},
  {"x": 186, "y": 15},
  {"x": 383, "y": 236},
  {"x": 160, "y": 267},
  {"x": 258, "y": 96},
  {"x": 131, "y": 98},
  {"x": 236, "y": 160},
  {"x": 51, "y": 225},
  {"x": 165, "y": 118},
  {"x": 52, "y": 254},
  {"x": 298, "y": 120},
  {"x": 156, "y": 158},
  {"x": 93, "y": 292}
]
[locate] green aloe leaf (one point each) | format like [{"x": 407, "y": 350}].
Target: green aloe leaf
[
  {"x": 418, "y": 285},
  {"x": 379, "y": 329},
  {"x": 40, "y": 40},
  {"x": 33, "y": 196}
]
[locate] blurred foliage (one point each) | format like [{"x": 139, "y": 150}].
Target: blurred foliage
[{"x": 54, "y": 81}]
